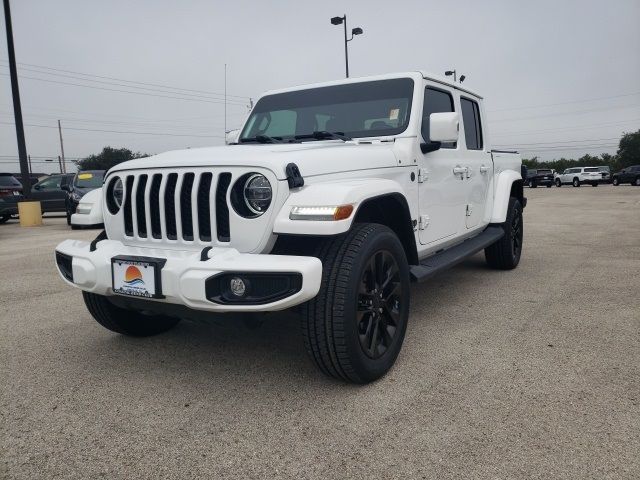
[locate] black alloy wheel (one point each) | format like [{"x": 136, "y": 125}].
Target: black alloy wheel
[{"x": 380, "y": 310}]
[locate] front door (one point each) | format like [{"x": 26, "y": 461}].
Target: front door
[
  {"x": 441, "y": 188},
  {"x": 49, "y": 194}
]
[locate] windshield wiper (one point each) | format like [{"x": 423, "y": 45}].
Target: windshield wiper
[
  {"x": 324, "y": 135},
  {"x": 261, "y": 139}
]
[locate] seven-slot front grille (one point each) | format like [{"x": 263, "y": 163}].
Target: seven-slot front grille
[{"x": 187, "y": 206}]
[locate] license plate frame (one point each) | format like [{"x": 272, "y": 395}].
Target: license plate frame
[{"x": 135, "y": 288}]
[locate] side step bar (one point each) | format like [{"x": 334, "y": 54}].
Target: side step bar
[{"x": 448, "y": 258}]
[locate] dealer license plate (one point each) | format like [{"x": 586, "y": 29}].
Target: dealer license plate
[{"x": 137, "y": 276}]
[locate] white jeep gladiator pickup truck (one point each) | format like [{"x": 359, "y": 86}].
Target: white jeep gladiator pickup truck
[{"x": 333, "y": 197}]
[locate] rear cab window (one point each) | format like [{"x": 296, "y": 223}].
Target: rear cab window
[{"x": 472, "y": 123}]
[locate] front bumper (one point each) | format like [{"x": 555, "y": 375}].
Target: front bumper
[{"x": 184, "y": 273}]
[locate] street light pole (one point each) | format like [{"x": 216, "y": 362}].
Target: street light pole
[
  {"x": 356, "y": 31},
  {"x": 346, "y": 49},
  {"x": 17, "y": 109}
]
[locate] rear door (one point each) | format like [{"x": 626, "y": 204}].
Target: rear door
[
  {"x": 441, "y": 190},
  {"x": 477, "y": 161}
]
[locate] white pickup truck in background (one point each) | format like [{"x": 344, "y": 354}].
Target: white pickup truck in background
[{"x": 333, "y": 198}]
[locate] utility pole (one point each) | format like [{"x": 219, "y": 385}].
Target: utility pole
[
  {"x": 225, "y": 98},
  {"x": 63, "y": 167},
  {"x": 60, "y": 163},
  {"x": 30, "y": 169},
  {"x": 17, "y": 109}
]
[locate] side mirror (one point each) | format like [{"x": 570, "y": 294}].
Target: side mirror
[
  {"x": 444, "y": 127},
  {"x": 231, "y": 137},
  {"x": 37, "y": 187}
]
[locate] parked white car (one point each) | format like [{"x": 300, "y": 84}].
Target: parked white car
[
  {"x": 334, "y": 198},
  {"x": 578, "y": 175},
  {"x": 89, "y": 210}
]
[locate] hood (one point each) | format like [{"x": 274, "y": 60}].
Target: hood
[{"x": 312, "y": 158}]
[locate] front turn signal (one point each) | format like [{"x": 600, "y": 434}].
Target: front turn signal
[{"x": 322, "y": 213}]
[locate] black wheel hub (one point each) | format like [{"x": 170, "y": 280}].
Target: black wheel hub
[{"x": 379, "y": 306}]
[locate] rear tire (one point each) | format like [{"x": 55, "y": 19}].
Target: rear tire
[
  {"x": 4, "y": 218},
  {"x": 354, "y": 328},
  {"x": 549, "y": 186},
  {"x": 532, "y": 184},
  {"x": 505, "y": 253},
  {"x": 126, "y": 322},
  {"x": 615, "y": 181},
  {"x": 637, "y": 182},
  {"x": 594, "y": 184}
]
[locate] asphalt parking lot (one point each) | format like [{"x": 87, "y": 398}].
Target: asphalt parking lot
[{"x": 533, "y": 373}]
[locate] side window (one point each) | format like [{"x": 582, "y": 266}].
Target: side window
[
  {"x": 435, "y": 101},
  {"x": 472, "y": 126},
  {"x": 51, "y": 183}
]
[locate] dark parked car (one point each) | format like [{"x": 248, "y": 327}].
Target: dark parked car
[
  {"x": 83, "y": 182},
  {"x": 541, "y": 176},
  {"x": 49, "y": 192},
  {"x": 10, "y": 193},
  {"x": 627, "y": 175}
]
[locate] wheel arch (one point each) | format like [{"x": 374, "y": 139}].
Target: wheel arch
[{"x": 508, "y": 184}]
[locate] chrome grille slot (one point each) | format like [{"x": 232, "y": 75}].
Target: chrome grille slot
[
  {"x": 204, "y": 208},
  {"x": 128, "y": 216},
  {"x": 185, "y": 206},
  {"x": 141, "y": 214},
  {"x": 169, "y": 206},
  {"x": 154, "y": 206}
]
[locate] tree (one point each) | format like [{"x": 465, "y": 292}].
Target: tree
[
  {"x": 108, "y": 158},
  {"x": 629, "y": 150}
]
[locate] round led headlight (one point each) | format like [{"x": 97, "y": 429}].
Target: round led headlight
[
  {"x": 257, "y": 193},
  {"x": 115, "y": 193}
]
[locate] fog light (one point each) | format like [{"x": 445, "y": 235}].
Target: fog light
[{"x": 237, "y": 286}]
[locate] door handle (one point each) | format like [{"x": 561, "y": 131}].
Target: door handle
[
  {"x": 484, "y": 169},
  {"x": 458, "y": 170}
]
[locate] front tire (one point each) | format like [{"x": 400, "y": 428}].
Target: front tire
[
  {"x": 636, "y": 182},
  {"x": 505, "y": 253},
  {"x": 4, "y": 218},
  {"x": 532, "y": 184},
  {"x": 576, "y": 182},
  {"x": 354, "y": 328},
  {"x": 126, "y": 322},
  {"x": 594, "y": 184},
  {"x": 615, "y": 181},
  {"x": 558, "y": 183}
]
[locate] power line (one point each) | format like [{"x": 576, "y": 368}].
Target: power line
[
  {"x": 577, "y": 127},
  {"x": 123, "y": 91},
  {"x": 118, "y": 131},
  {"x": 563, "y": 113},
  {"x": 244, "y": 97},
  {"x": 564, "y": 103},
  {"x": 75, "y": 77}
]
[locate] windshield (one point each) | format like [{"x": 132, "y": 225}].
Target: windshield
[
  {"x": 89, "y": 179},
  {"x": 365, "y": 109},
  {"x": 9, "y": 181}
]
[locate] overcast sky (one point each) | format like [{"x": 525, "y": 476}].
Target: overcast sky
[{"x": 560, "y": 78}]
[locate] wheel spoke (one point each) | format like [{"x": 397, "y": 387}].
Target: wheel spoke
[{"x": 373, "y": 339}]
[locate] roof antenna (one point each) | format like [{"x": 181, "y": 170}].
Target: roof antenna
[{"x": 462, "y": 77}]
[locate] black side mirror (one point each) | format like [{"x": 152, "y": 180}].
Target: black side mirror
[
  {"x": 430, "y": 147},
  {"x": 37, "y": 187}
]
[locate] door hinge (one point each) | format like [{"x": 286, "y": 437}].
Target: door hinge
[
  {"x": 469, "y": 209},
  {"x": 423, "y": 222},
  {"x": 423, "y": 175}
]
